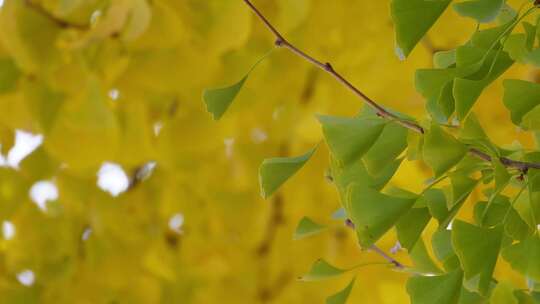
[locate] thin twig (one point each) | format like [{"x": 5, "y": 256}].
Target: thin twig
[
  {"x": 390, "y": 259},
  {"x": 380, "y": 110},
  {"x": 378, "y": 250}
]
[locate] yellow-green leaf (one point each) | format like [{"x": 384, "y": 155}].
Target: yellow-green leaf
[
  {"x": 321, "y": 270},
  {"x": 273, "y": 172},
  {"x": 307, "y": 227},
  {"x": 374, "y": 213},
  {"x": 441, "y": 150}
]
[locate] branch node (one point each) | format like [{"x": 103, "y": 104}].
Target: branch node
[
  {"x": 328, "y": 67},
  {"x": 279, "y": 42}
]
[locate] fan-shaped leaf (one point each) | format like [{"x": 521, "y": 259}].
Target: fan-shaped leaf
[
  {"x": 480, "y": 10},
  {"x": 520, "y": 97},
  {"x": 412, "y": 19},
  {"x": 218, "y": 100},
  {"x": 441, "y": 150},
  {"x": 342, "y": 296},
  {"x": 321, "y": 270},
  {"x": 374, "y": 213},
  {"x": 350, "y": 138},
  {"x": 443, "y": 289},
  {"x": 306, "y": 227},
  {"x": 524, "y": 257},
  {"x": 477, "y": 249},
  {"x": 273, "y": 172}
]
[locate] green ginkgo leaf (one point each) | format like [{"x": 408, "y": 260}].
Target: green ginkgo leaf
[
  {"x": 520, "y": 97},
  {"x": 481, "y": 10},
  {"x": 390, "y": 144},
  {"x": 374, "y": 213},
  {"x": 436, "y": 202},
  {"x": 321, "y": 270},
  {"x": 503, "y": 293},
  {"x": 350, "y": 138},
  {"x": 342, "y": 296},
  {"x": 444, "y": 59},
  {"x": 531, "y": 120},
  {"x": 307, "y": 227},
  {"x": 273, "y": 172},
  {"x": 422, "y": 260},
  {"x": 467, "y": 91},
  {"x": 412, "y": 19},
  {"x": 218, "y": 100},
  {"x": 477, "y": 249},
  {"x": 410, "y": 226},
  {"x": 442, "y": 289},
  {"x": 524, "y": 257},
  {"x": 441, "y": 241},
  {"x": 459, "y": 189},
  {"x": 441, "y": 150}
]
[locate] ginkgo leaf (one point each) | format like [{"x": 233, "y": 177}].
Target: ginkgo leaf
[
  {"x": 467, "y": 91},
  {"x": 472, "y": 128},
  {"x": 492, "y": 213},
  {"x": 342, "y": 296},
  {"x": 503, "y": 293},
  {"x": 390, "y": 144},
  {"x": 415, "y": 142},
  {"x": 307, "y": 227},
  {"x": 273, "y": 172},
  {"x": 468, "y": 297},
  {"x": 444, "y": 59},
  {"x": 477, "y": 249},
  {"x": 518, "y": 46},
  {"x": 321, "y": 270},
  {"x": 441, "y": 241},
  {"x": 524, "y": 257},
  {"x": 441, "y": 150},
  {"x": 350, "y": 138},
  {"x": 531, "y": 120},
  {"x": 459, "y": 189},
  {"x": 218, "y": 100},
  {"x": 442, "y": 289},
  {"x": 357, "y": 172},
  {"x": 520, "y": 97},
  {"x": 413, "y": 19},
  {"x": 436, "y": 202},
  {"x": 422, "y": 260},
  {"x": 480, "y": 10},
  {"x": 515, "y": 227},
  {"x": 374, "y": 213},
  {"x": 410, "y": 226}
]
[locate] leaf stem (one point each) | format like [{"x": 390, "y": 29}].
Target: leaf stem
[
  {"x": 380, "y": 110},
  {"x": 397, "y": 264}
]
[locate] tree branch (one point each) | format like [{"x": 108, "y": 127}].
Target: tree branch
[{"x": 380, "y": 110}]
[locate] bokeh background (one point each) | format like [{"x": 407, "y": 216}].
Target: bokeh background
[{"x": 135, "y": 195}]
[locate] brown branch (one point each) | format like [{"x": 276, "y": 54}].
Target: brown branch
[{"x": 380, "y": 110}]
